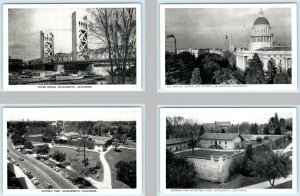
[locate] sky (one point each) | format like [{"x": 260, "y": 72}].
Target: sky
[
  {"x": 234, "y": 115},
  {"x": 71, "y": 114},
  {"x": 25, "y": 24},
  {"x": 207, "y": 27}
]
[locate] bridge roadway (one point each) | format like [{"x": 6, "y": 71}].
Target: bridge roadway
[{"x": 103, "y": 62}]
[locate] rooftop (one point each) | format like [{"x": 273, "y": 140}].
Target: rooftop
[
  {"x": 219, "y": 136},
  {"x": 176, "y": 141},
  {"x": 275, "y": 48},
  {"x": 69, "y": 133}
]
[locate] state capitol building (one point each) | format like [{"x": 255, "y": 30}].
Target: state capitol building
[{"x": 261, "y": 42}]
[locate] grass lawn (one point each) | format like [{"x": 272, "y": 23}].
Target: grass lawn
[
  {"x": 286, "y": 185},
  {"x": 236, "y": 182},
  {"x": 112, "y": 157},
  {"x": 205, "y": 153},
  {"x": 73, "y": 156},
  {"x": 129, "y": 144}
]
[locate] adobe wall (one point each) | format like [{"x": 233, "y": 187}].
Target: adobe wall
[{"x": 206, "y": 168}]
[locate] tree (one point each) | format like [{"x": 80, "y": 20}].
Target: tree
[
  {"x": 116, "y": 143},
  {"x": 174, "y": 68},
  {"x": 245, "y": 170},
  {"x": 59, "y": 156},
  {"x": 43, "y": 149},
  {"x": 225, "y": 76},
  {"x": 116, "y": 28},
  {"x": 123, "y": 138},
  {"x": 266, "y": 130},
  {"x": 192, "y": 134},
  {"x": 254, "y": 129},
  {"x": 282, "y": 78},
  {"x": 271, "y": 166},
  {"x": 196, "y": 78},
  {"x": 126, "y": 172},
  {"x": 28, "y": 145},
  {"x": 276, "y": 125},
  {"x": 271, "y": 72},
  {"x": 180, "y": 173},
  {"x": 254, "y": 73}
]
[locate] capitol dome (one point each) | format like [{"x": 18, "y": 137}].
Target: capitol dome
[
  {"x": 261, "y": 36},
  {"x": 261, "y": 21}
]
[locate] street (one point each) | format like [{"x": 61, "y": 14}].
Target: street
[{"x": 39, "y": 170}]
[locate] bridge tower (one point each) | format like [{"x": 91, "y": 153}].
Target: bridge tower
[
  {"x": 47, "y": 45},
  {"x": 79, "y": 36}
]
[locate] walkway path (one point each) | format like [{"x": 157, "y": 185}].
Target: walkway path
[
  {"x": 106, "y": 182},
  {"x": 127, "y": 147},
  {"x": 266, "y": 184}
]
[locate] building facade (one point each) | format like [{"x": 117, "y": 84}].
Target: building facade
[
  {"x": 225, "y": 140},
  {"x": 261, "y": 43},
  {"x": 170, "y": 44},
  {"x": 177, "y": 144}
]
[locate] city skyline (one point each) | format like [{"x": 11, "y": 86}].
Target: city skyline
[{"x": 227, "y": 21}]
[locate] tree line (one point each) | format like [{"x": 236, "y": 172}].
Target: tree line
[
  {"x": 208, "y": 68},
  {"x": 177, "y": 126}
]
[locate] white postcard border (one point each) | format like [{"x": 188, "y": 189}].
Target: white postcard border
[
  {"x": 162, "y": 112},
  {"x": 139, "y": 153},
  {"x": 227, "y": 88},
  {"x": 116, "y": 87}
]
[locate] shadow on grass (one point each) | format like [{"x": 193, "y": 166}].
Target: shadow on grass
[{"x": 117, "y": 150}]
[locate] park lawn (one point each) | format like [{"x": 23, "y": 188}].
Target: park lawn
[
  {"x": 286, "y": 185},
  {"x": 129, "y": 144},
  {"x": 73, "y": 156},
  {"x": 205, "y": 153},
  {"x": 112, "y": 157},
  {"x": 236, "y": 182}
]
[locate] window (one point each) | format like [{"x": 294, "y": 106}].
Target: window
[
  {"x": 211, "y": 142},
  {"x": 219, "y": 142},
  {"x": 225, "y": 142}
]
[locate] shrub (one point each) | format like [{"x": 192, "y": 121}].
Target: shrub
[
  {"x": 289, "y": 138},
  {"x": 126, "y": 172},
  {"x": 258, "y": 139},
  {"x": 215, "y": 147},
  {"x": 266, "y": 138}
]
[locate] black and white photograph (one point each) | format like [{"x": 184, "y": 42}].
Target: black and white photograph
[
  {"x": 215, "y": 47},
  {"x": 72, "y": 47},
  {"x": 228, "y": 150},
  {"x": 60, "y": 150}
]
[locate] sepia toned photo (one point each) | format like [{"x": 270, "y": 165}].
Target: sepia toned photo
[
  {"x": 72, "y": 150},
  {"x": 232, "y": 46},
  {"x": 228, "y": 150},
  {"x": 72, "y": 47}
]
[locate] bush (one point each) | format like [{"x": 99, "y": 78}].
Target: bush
[
  {"x": 126, "y": 172},
  {"x": 259, "y": 139},
  {"x": 216, "y": 147},
  {"x": 266, "y": 138},
  {"x": 289, "y": 138}
]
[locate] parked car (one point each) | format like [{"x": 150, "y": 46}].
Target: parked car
[
  {"x": 29, "y": 174},
  {"x": 56, "y": 168},
  {"x": 66, "y": 175},
  {"x": 34, "y": 181},
  {"x": 47, "y": 185}
]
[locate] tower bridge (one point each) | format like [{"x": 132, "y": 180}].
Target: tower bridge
[{"x": 81, "y": 55}]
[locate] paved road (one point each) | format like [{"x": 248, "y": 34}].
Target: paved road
[{"x": 39, "y": 170}]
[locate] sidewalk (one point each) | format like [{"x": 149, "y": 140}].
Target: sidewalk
[
  {"x": 19, "y": 174},
  {"x": 266, "y": 184}
]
